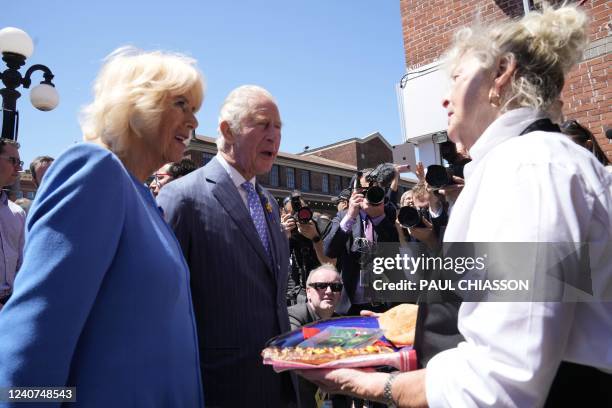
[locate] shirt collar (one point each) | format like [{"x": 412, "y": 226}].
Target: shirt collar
[
  {"x": 507, "y": 126},
  {"x": 234, "y": 174}
]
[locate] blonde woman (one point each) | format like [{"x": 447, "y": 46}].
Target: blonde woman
[
  {"x": 102, "y": 302},
  {"x": 527, "y": 183}
]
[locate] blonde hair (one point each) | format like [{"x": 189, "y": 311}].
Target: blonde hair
[
  {"x": 238, "y": 105},
  {"x": 419, "y": 191},
  {"x": 545, "y": 45},
  {"x": 130, "y": 91}
]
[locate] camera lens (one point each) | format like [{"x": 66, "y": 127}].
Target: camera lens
[
  {"x": 375, "y": 195},
  {"x": 304, "y": 215},
  {"x": 437, "y": 176},
  {"x": 409, "y": 217}
]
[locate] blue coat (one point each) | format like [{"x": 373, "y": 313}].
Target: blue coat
[
  {"x": 102, "y": 301},
  {"x": 238, "y": 291}
]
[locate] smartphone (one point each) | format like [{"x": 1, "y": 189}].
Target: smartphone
[{"x": 405, "y": 154}]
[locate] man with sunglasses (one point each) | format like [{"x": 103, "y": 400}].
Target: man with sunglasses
[
  {"x": 323, "y": 288},
  {"x": 12, "y": 220}
]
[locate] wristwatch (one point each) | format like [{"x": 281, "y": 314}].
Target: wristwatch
[
  {"x": 316, "y": 239},
  {"x": 387, "y": 395}
]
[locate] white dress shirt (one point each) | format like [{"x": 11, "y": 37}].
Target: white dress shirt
[
  {"x": 12, "y": 225},
  {"x": 237, "y": 179},
  {"x": 539, "y": 187}
]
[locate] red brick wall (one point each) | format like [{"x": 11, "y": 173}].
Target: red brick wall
[
  {"x": 346, "y": 153},
  {"x": 428, "y": 27},
  {"x": 587, "y": 92},
  {"x": 372, "y": 153}
]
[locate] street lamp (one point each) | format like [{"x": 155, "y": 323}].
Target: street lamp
[{"x": 16, "y": 46}]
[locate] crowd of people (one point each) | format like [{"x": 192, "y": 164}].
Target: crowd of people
[{"x": 143, "y": 280}]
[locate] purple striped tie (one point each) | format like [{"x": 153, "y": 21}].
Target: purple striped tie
[{"x": 257, "y": 214}]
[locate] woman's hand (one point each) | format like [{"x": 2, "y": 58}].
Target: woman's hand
[
  {"x": 360, "y": 383},
  {"x": 408, "y": 389}
]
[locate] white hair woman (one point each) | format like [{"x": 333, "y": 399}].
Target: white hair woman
[
  {"x": 527, "y": 183},
  {"x": 102, "y": 302}
]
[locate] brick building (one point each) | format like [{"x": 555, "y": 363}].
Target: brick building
[
  {"x": 363, "y": 153},
  {"x": 428, "y": 27},
  {"x": 320, "y": 174}
]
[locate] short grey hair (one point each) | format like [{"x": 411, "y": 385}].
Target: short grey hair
[
  {"x": 237, "y": 106},
  {"x": 325, "y": 266}
]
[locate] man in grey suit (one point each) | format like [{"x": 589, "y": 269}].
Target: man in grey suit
[{"x": 229, "y": 230}]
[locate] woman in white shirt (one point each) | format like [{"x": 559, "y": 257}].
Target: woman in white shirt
[{"x": 527, "y": 183}]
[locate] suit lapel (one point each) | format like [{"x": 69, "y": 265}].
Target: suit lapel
[{"x": 229, "y": 198}]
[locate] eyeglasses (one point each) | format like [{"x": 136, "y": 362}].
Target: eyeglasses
[
  {"x": 13, "y": 160},
  {"x": 158, "y": 176},
  {"x": 335, "y": 286}
]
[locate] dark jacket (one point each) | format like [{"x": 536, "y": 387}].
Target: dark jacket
[{"x": 341, "y": 245}]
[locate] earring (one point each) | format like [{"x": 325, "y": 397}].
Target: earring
[{"x": 494, "y": 98}]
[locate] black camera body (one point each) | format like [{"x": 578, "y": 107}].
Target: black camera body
[
  {"x": 439, "y": 176},
  {"x": 373, "y": 192},
  {"x": 302, "y": 214},
  {"x": 410, "y": 217}
]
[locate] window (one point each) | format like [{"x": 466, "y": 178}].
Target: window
[
  {"x": 325, "y": 183},
  {"x": 290, "y": 177},
  {"x": 336, "y": 186},
  {"x": 206, "y": 157},
  {"x": 274, "y": 176},
  {"x": 305, "y": 180}
]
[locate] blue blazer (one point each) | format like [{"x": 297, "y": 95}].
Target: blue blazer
[
  {"x": 238, "y": 291},
  {"x": 102, "y": 300}
]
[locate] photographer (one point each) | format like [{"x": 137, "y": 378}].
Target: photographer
[
  {"x": 367, "y": 220},
  {"x": 305, "y": 245}
]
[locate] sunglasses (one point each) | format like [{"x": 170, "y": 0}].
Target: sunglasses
[
  {"x": 13, "y": 160},
  {"x": 335, "y": 286}
]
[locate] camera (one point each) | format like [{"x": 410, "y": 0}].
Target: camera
[
  {"x": 373, "y": 192},
  {"x": 410, "y": 217},
  {"x": 301, "y": 213},
  {"x": 439, "y": 176}
]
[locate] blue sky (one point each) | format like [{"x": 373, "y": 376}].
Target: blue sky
[{"x": 332, "y": 65}]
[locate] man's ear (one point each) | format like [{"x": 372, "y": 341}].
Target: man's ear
[
  {"x": 505, "y": 68},
  {"x": 227, "y": 133}
]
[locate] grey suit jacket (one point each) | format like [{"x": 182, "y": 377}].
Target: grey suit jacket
[{"x": 238, "y": 291}]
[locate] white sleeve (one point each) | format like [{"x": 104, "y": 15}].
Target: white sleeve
[
  {"x": 509, "y": 358},
  {"x": 512, "y": 350}
]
